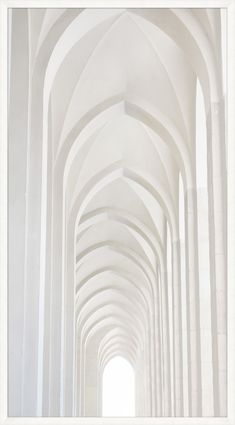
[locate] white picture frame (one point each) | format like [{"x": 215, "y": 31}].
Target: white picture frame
[{"x": 229, "y": 5}]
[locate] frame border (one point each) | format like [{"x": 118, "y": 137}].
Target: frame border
[{"x": 229, "y": 5}]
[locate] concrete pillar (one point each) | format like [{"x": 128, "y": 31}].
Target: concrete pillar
[
  {"x": 158, "y": 348},
  {"x": 194, "y": 343},
  {"x": 217, "y": 231},
  {"x": 166, "y": 347},
  {"x": 153, "y": 362},
  {"x": 205, "y": 303},
  {"x": 162, "y": 399},
  {"x": 176, "y": 282},
  {"x": 34, "y": 272},
  {"x": 56, "y": 301},
  {"x": 168, "y": 261},
  {"x": 17, "y": 198},
  {"x": 68, "y": 323},
  {"x": 184, "y": 300}
]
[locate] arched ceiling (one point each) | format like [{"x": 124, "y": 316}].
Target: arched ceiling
[{"x": 120, "y": 103}]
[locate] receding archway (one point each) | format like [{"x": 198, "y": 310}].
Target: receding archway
[{"x": 118, "y": 388}]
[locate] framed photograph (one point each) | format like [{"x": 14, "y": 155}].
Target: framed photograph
[{"x": 117, "y": 228}]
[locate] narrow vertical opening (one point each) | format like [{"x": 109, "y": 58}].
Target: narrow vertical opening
[{"x": 118, "y": 389}]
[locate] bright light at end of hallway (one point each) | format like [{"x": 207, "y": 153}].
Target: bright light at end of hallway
[{"x": 118, "y": 388}]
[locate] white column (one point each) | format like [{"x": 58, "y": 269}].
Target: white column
[
  {"x": 166, "y": 344},
  {"x": 34, "y": 228},
  {"x": 158, "y": 348},
  {"x": 56, "y": 301},
  {"x": 168, "y": 364},
  {"x": 45, "y": 361},
  {"x": 176, "y": 282},
  {"x": 183, "y": 294},
  {"x": 68, "y": 323},
  {"x": 153, "y": 363},
  {"x": 217, "y": 230},
  {"x": 17, "y": 198},
  {"x": 203, "y": 255},
  {"x": 205, "y": 303},
  {"x": 168, "y": 259},
  {"x": 194, "y": 342}
]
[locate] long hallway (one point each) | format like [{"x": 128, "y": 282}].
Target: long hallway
[{"x": 117, "y": 209}]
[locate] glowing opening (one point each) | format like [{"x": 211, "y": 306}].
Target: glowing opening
[{"x": 118, "y": 388}]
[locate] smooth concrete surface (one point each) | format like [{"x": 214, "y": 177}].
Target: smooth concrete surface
[{"x": 117, "y": 209}]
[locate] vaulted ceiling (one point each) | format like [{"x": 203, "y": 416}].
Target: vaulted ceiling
[{"x": 116, "y": 90}]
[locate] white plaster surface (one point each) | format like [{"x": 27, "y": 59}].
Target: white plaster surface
[{"x": 109, "y": 255}]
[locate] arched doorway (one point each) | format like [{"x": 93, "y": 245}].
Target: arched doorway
[{"x": 118, "y": 388}]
